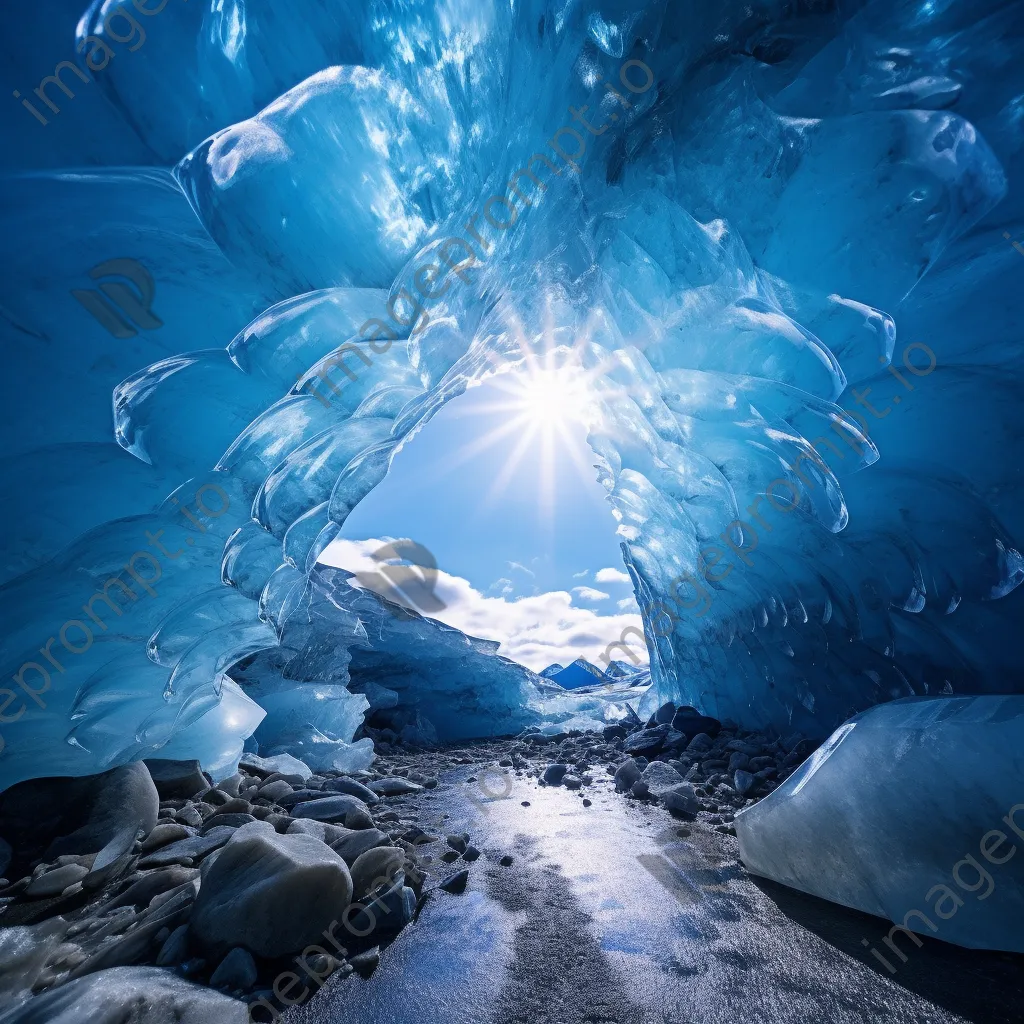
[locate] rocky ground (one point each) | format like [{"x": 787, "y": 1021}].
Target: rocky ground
[{"x": 252, "y": 892}]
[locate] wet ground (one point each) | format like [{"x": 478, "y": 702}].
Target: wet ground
[{"x": 618, "y": 913}]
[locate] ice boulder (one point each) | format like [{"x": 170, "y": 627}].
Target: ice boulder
[{"x": 912, "y": 811}]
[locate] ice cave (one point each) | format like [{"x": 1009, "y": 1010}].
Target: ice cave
[{"x": 762, "y": 261}]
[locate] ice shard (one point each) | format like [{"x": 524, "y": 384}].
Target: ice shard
[{"x": 911, "y": 811}]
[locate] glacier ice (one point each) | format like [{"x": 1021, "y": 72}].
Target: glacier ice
[
  {"x": 911, "y": 811},
  {"x": 775, "y": 241}
]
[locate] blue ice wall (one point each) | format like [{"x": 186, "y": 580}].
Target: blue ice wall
[{"x": 778, "y": 241}]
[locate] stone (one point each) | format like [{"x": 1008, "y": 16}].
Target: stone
[
  {"x": 366, "y": 963},
  {"x": 186, "y": 851},
  {"x": 130, "y": 994},
  {"x": 176, "y": 779},
  {"x": 353, "y": 788},
  {"x": 458, "y": 841},
  {"x": 323, "y": 830},
  {"x": 614, "y": 732},
  {"x": 164, "y": 834},
  {"x": 331, "y": 808},
  {"x": 682, "y": 799},
  {"x": 358, "y": 818},
  {"x": 554, "y": 773},
  {"x": 275, "y": 791},
  {"x": 358, "y": 842},
  {"x": 148, "y": 884},
  {"x": 189, "y": 815},
  {"x": 471, "y": 854},
  {"x": 626, "y": 775},
  {"x": 236, "y": 805},
  {"x": 175, "y": 949},
  {"x": 506, "y": 861},
  {"x": 701, "y": 743},
  {"x": 236, "y": 970},
  {"x": 371, "y": 868},
  {"x": 456, "y": 883},
  {"x": 6, "y": 855},
  {"x": 394, "y": 787},
  {"x": 664, "y": 714},
  {"x": 231, "y": 785},
  {"x": 53, "y": 883},
  {"x": 571, "y": 781},
  {"x": 691, "y": 722},
  {"x": 44, "y": 818},
  {"x": 273, "y": 894},
  {"x": 738, "y": 760},
  {"x": 743, "y": 782},
  {"x": 114, "y": 860},
  {"x": 647, "y": 741}
]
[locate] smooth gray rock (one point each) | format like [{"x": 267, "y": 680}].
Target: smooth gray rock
[
  {"x": 375, "y": 866},
  {"x": 659, "y": 776},
  {"x": 273, "y": 894},
  {"x": 626, "y": 775},
  {"x": 175, "y": 949},
  {"x": 148, "y": 884},
  {"x": 275, "y": 791},
  {"x": 394, "y": 787},
  {"x": 45, "y": 818},
  {"x": 358, "y": 842},
  {"x": 554, "y": 773},
  {"x": 332, "y": 808},
  {"x": 681, "y": 798},
  {"x": 322, "y": 830},
  {"x": 456, "y": 883},
  {"x": 743, "y": 782},
  {"x": 175, "y": 780},
  {"x": 53, "y": 883},
  {"x": 353, "y": 788},
  {"x": 192, "y": 849},
  {"x": 170, "y": 832},
  {"x": 647, "y": 741},
  {"x": 236, "y": 970},
  {"x": 130, "y": 995}
]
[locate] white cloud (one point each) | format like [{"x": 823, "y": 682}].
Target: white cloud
[
  {"x": 628, "y": 604},
  {"x": 590, "y": 594},
  {"x": 501, "y": 588},
  {"x": 611, "y": 576},
  {"x": 536, "y": 631},
  {"x": 581, "y": 575},
  {"x": 522, "y": 568}
]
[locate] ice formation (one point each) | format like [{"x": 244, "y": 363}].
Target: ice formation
[
  {"x": 775, "y": 239},
  {"x": 911, "y": 811}
]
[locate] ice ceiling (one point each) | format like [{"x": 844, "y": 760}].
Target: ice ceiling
[{"x": 776, "y": 240}]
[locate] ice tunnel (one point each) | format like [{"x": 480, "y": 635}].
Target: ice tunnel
[{"x": 253, "y": 248}]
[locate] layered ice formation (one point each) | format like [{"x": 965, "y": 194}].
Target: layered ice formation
[
  {"x": 254, "y": 247},
  {"x": 911, "y": 811}
]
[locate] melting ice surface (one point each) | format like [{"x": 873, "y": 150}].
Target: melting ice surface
[
  {"x": 783, "y": 217},
  {"x": 935, "y": 784}
]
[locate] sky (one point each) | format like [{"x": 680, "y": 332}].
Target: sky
[{"x": 500, "y": 488}]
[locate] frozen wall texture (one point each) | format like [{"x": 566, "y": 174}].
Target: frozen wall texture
[{"x": 252, "y": 247}]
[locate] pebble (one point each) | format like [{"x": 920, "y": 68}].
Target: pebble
[{"x": 456, "y": 883}]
